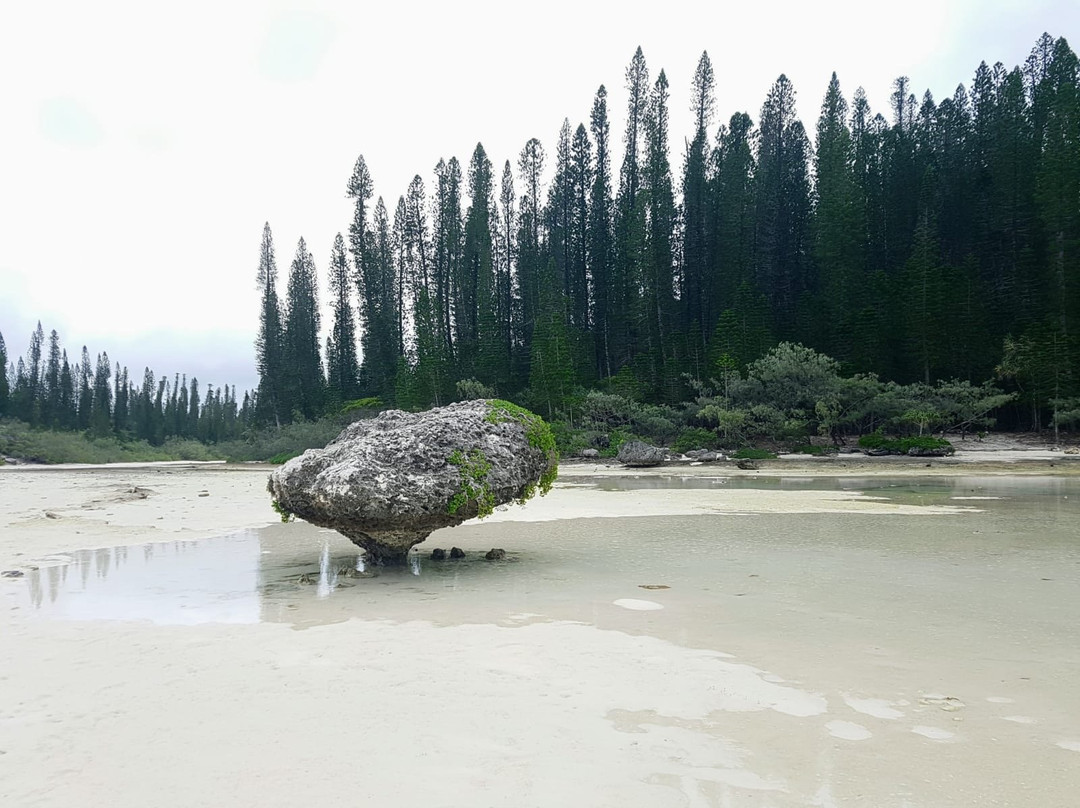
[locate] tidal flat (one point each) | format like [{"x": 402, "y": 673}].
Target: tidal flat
[{"x": 652, "y": 639}]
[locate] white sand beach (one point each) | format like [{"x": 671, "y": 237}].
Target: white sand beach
[{"x": 803, "y": 635}]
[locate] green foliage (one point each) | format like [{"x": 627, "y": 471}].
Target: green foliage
[
  {"x": 287, "y": 440},
  {"x": 537, "y": 433},
  {"x": 282, "y": 457},
  {"x": 470, "y": 389},
  {"x": 695, "y": 438},
  {"x": 280, "y": 510},
  {"x": 367, "y": 403},
  {"x": 18, "y": 439},
  {"x": 876, "y": 440},
  {"x": 615, "y": 441},
  {"x": 568, "y": 441},
  {"x": 474, "y": 468}
]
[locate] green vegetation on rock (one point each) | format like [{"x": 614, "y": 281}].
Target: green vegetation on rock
[
  {"x": 537, "y": 433},
  {"x": 474, "y": 468}
]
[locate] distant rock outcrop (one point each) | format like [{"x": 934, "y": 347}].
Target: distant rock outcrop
[
  {"x": 636, "y": 453},
  {"x": 386, "y": 483}
]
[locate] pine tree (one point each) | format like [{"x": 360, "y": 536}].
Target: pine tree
[
  {"x": 68, "y": 416},
  {"x": 630, "y": 216},
  {"x": 580, "y": 185},
  {"x": 601, "y": 235},
  {"x": 450, "y": 280},
  {"x": 657, "y": 279},
  {"x": 478, "y": 333},
  {"x": 191, "y": 419},
  {"x": 50, "y": 407},
  {"x": 696, "y": 306},
  {"x": 342, "y": 364},
  {"x": 783, "y": 208},
  {"x": 506, "y": 252},
  {"x": 304, "y": 385},
  {"x": 86, "y": 393},
  {"x": 731, "y": 213},
  {"x": 838, "y": 240},
  {"x": 5, "y": 387},
  {"x": 101, "y": 408},
  {"x": 530, "y": 259},
  {"x": 269, "y": 345}
]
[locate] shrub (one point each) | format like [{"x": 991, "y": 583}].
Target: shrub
[
  {"x": 877, "y": 441},
  {"x": 696, "y": 438},
  {"x": 368, "y": 403}
]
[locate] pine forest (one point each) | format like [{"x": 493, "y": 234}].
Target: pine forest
[{"x": 914, "y": 268}]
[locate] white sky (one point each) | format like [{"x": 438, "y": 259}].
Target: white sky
[{"x": 143, "y": 144}]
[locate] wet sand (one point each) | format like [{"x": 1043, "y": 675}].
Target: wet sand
[{"x": 884, "y": 639}]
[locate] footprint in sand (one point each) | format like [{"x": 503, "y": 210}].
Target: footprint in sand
[
  {"x": 1072, "y": 746},
  {"x": 875, "y": 708},
  {"x": 1018, "y": 719},
  {"x": 848, "y": 730},
  {"x": 638, "y": 605},
  {"x": 933, "y": 733}
]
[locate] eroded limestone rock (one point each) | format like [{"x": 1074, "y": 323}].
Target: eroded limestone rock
[
  {"x": 638, "y": 454},
  {"x": 387, "y": 482}
]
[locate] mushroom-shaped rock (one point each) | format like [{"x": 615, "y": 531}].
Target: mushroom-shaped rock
[{"x": 387, "y": 482}]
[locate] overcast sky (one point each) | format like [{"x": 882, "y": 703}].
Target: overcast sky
[{"x": 143, "y": 144}]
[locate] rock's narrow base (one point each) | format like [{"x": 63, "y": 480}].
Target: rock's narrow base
[{"x": 388, "y": 549}]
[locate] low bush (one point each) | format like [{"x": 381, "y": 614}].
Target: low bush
[
  {"x": 18, "y": 439},
  {"x": 696, "y": 438},
  {"x": 875, "y": 441}
]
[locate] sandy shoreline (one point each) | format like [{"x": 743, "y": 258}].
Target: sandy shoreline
[{"x": 811, "y": 644}]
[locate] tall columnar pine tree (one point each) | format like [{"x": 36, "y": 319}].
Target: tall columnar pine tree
[
  {"x": 5, "y": 387},
  {"x": 601, "y": 250},
  {"x": 696, "y": 310},
  {"x": 270, "y": 344},
  {"x": 838, "y": 240},
  {"x": 630, "y": 217},
  {"x": 101, "y": 407},
  {"x": 580, "y": 186},
  {"x": 86, "y": 390},
  {"x": 51, "y": 414},
  {"x": 506, "y": 255},
  {"x": 530, "y": 259},
  {"x": 448, "y": 237},
  {"x": 656, "y": 316},
  {"x": 731, "y": 216},
  {"x": 341, "y": 360},
  {"x": 304, "y": 385},
  {"x": 783, "y": 209},
  {"x": 482, "y": 357}
]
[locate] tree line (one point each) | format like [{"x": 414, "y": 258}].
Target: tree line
[
  {"x": 933, "y": 240},
  {"x": 936, "y": 240},
  {"x": 48, "y": 391}
]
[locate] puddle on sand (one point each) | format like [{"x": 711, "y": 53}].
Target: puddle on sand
[
  {"x": 985, "y": 491},
  {"x": 247, "y": 577},
  {"x": 593, "y": 571}
]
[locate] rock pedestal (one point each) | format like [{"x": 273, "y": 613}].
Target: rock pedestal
[{"x": 386, "y": 483}]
